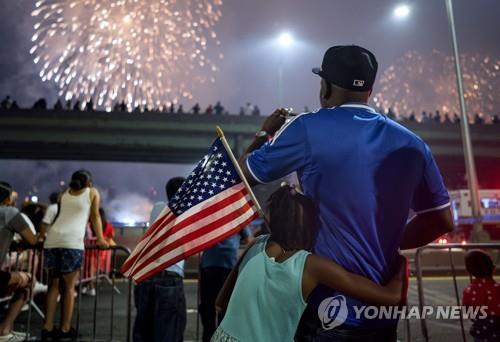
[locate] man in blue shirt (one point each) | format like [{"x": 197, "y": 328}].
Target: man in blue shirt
[
  {"x": 160, "y": 300},
  {"x": 365, "y": 173},
  {"x": 216, "y": 264}
]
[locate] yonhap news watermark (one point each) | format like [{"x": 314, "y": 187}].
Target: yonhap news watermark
[
  {"x": 333, "y": 312},
  {"x": 415, "y": 312}
]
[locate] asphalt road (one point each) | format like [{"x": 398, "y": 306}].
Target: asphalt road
[{"x": 438, "y": 291}]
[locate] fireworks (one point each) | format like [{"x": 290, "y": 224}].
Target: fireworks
[
  {"x": 145, "y": 52},
  {"x": 419, "y": 83}
]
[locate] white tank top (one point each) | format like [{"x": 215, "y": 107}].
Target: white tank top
[{"x": 68, "y": 231}]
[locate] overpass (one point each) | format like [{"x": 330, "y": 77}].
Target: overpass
[
  {"x": 117, "y": 136},
  {"x": 180, "y": 138}
]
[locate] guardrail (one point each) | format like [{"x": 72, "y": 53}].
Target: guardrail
[
  {"x": 34, "y": 267},
  {"x": 112, "y": 278},
  {"x": 418, "y": 270}
]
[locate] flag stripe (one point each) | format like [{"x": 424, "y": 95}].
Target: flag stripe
[
  {"x": 198, "y": 214},
  {"x": 159, "y": 222},
  {"x": 202, "y": 226},
  {"x": 197, "y": 249},
  {"x": 140, "y": 248},
  {"x": 188, "y": 236},
  {"x": 204, "y": 212},
  {"x": 192, "y": 246}
]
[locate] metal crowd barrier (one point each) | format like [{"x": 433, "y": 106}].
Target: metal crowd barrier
[
  {"x": 88, "y": 274},
  {"x": 418, "y": 270},
  {"x": 18, "y": 265},
  {"x": 112, "y": 280}
]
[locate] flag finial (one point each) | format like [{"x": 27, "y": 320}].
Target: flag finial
[{"x": 219, "y": 131}]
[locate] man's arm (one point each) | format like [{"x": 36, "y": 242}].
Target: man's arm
[
  {"x": 427, "y": 227},
  {"x": 431, "y": 203},
  {"x": 256, "y": 144},
  {"x": 270, "y": 126},
  {"x": 19, "y": 225},
  {"x": 28, "y": 236}
]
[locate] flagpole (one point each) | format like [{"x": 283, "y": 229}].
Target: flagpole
[{"x": 220, "y": 133}]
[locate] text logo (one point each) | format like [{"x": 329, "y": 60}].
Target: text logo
[
  {"x": 332, "y": 312},
  {"x": 358, "y": 83}
]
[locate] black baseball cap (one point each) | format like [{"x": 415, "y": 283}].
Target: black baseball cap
[{"x": 349, "y": 66}]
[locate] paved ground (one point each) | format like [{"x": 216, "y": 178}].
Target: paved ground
[{"x": 438, "y": 291}]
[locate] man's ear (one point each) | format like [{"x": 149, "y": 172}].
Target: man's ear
[{"x": 328, "y": 91}]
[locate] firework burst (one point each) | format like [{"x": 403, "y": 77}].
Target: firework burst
[
  {"x": 145, "y": 52},
  {"x": 418, "y": 82}
]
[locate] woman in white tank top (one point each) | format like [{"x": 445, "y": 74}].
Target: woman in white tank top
[{"x": 63, "y": 250}]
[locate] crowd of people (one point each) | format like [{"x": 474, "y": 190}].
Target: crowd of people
[
  {"x": 248, "y": 109},
  {"x": 72, "y": 220},
  {"x": 441, "y": 118}
]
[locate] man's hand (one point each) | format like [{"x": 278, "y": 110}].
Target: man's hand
[
  {"x": 271, "y": 125},
  {"x": 274, "y": 121},
  {"x": 399, "y": 283}
]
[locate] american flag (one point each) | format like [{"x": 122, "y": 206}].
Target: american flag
[{"x": 211, "y": 205}]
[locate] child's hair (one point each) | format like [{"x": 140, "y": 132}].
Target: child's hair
[
  {"x": 5, "y": 191},
  {"x": 80, "y": 179},
  {"x": 292, "y": 219},
  {"x": 479, "y": 264}
]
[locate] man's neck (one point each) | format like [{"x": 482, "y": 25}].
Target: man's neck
[{"x": 340, "y": 103}]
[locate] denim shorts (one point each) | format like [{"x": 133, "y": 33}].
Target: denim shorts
[{"x": 63, "y": 260}]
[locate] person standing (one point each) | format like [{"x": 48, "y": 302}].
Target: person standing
[
  {"x": 160, "y": 300},
  {"x": 218, "y": 109},
  {"x": 216, "y": 264},
  {"x": 50, "y": 214},
  {"x": 364, "y": 172},
  {"x": 63, "y": 251}
]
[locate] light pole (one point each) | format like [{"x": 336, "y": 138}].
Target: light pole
[
  {"x": 285, "y": 40},
  {"x": 402, "y": 11},
  {"x": 470, "y": 167}
]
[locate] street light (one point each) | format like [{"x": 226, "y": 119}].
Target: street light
[
  {"x": 402, "y": 11},
  {"x": 285, "y": 40}
]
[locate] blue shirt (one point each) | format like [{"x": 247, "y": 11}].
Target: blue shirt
[
  {"x": 155, "y": 212},
  {"x": 364, "y": 173},
  {"x": 225, "y": 253}
]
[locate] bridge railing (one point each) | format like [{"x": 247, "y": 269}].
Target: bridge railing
[{"x": 449, "y": 248}]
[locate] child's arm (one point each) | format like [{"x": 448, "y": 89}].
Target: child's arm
[
  {"x": 224, "y": 295},
  {"x": 320, "y": 270}
]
